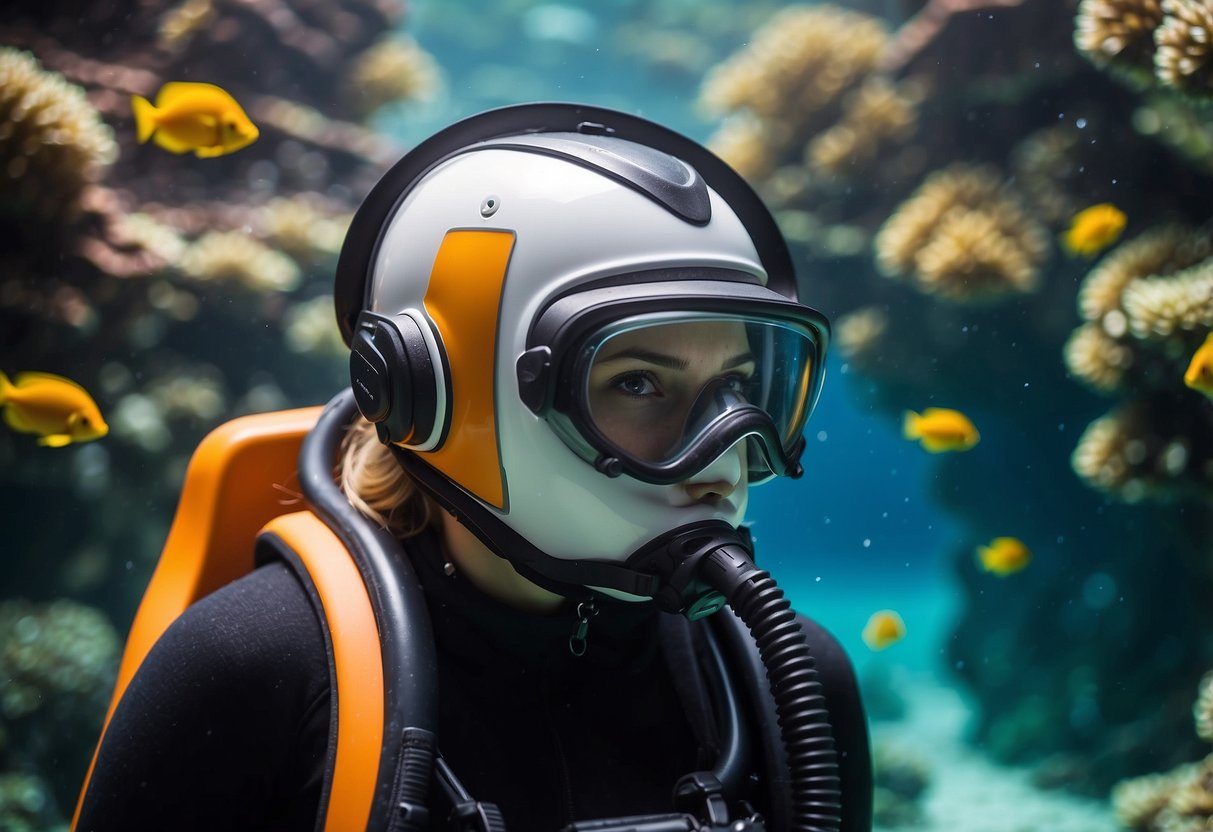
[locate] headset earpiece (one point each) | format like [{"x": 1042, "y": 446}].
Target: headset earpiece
[{"x": 393, "y": 378}]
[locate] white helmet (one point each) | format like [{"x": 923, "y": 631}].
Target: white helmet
[{"x": 560, "y": 316}]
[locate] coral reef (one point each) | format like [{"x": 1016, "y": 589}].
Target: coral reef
[
  {"x": 53, "y": 143},
  {"x": 899, "y": 781},
  {"x": 26, "y": 805},
  {"x": 1148, "y": 42},
  {"x": 1147, "y": 306},
  {"x": 394, "y": 69},
  {"x": 1184, "y": 56},
  {"x": 238, "y": 258},
  {"x": 964, "y": 237},
  {"x": 1178, "y": 801}
]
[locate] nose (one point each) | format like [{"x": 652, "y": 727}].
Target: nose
[{"x": 710, "y": 492}]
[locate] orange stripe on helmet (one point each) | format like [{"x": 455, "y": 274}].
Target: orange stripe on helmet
[{"x": 463, "y": 299}]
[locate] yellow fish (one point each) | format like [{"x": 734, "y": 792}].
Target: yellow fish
[
  {"x": 57, "y": 408},
  {"x": 884, "y": 628},
  {"x": 1200, "y": 371},
  {"x": 1004, "y": 556},
  {"x": 1094, "y": 229},
  {"x": 193, "y": 116},
  {"x": 940, "y": 429}
]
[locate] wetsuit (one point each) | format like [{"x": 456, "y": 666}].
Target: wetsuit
[{"x": 225, "y": 726}]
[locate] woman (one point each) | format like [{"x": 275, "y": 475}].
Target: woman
[{"x": 575, "y": 343}]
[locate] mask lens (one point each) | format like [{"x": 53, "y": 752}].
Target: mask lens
[{"x": 656, "y": 388}]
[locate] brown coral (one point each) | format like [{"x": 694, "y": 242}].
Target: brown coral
[
  {"x": 1138, "y": 802},
  {"x": 394, "y": 69},
  {"x": 857, "y": 334},
  {"x": 233, "y": 256},
  {"x": 302, "y": 227},
  {"x": 796, "y": 66},
  {"x": 179, "y": 24},
  {"x": 1096, "y": 358},
  {"x": 878, "y": 112},
  {"x": 1119, "y": 33},
  {"x": 52, "y": 142},
  {"x": 963, "y": 236},
  {"x": 1159, "y": 251},
  {"x": 1162, "y": 307},
  {"x": 741, "y": 140},
  {"x": 1184, "y": 41}
]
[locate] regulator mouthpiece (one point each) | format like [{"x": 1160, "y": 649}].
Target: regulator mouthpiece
[{"x": 700, "y": 567}]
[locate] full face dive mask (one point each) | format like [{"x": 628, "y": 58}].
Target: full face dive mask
[{"x": 567, "y": 321}]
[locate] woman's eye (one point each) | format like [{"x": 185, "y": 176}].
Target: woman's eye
[{"x": 635, "y": 384}]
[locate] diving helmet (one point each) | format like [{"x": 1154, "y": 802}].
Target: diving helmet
[{"x": 563, "y": 319}]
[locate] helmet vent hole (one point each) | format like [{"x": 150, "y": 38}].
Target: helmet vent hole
[{"x": 489, "y": 206}]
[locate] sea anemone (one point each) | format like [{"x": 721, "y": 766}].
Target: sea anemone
[
  {"x": 1161, "y": 307},
  {"x": 963, "y": 236},
  {"x": 1184, "y": 40},
  {"x": 236, "y": 257},
  {"x": 394, "y": 69},
  {"x": 797, "y": 65},
  {"x": 1119, "y": 33},
  {"x": 53, "y": 143},
  {"x": 1097, "y": 358}
]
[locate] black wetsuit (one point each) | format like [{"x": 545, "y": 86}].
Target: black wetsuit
[{"x": 225, "y": 725}]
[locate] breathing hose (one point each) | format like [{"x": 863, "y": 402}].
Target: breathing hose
[{"x": 708, "y": 564}]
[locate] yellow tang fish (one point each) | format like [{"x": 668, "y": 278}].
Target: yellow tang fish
[
  {"x": 57, "y": 408},
  {"x": 1199, "y": 375},
  {"x": 1004, "y": 556},
  {"x": 193, "y": 116},
  {"x": 884, "y": 628},
  {"x": 1094, "y": 229},
  {"x": 940, "y": 429}
]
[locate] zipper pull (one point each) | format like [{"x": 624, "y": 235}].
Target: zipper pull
[{"x": 577, "y": 641}]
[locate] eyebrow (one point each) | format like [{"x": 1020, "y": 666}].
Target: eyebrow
[{"x": 663, "y": 360}]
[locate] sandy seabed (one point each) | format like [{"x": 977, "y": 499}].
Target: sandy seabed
[{"x": 968, "y": 792}]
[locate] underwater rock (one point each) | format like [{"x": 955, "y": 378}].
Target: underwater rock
[
  {"x": 900, "y": 780},
  {"x": 53, "y": 143}
]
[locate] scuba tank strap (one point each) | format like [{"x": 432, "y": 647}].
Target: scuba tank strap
[{"x": 681, "y": 643}]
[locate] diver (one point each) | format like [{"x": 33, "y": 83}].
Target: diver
[{"x": 575, "y": 345}]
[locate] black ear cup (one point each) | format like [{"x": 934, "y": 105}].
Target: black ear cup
[{"x": 393, "y": 379}]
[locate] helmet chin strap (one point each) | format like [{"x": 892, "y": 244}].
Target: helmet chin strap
[{"x": 653, "y": 571}]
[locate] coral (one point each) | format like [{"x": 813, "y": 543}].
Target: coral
[
  {"x": 900, "y": 779},
  {"x": 1178, "y": 126},
  {"x": 52, "y": 651},
  {"x": 1119, "y": 33},
  {"x": 741, "y": 140},
  {"x": 1162, "y": 307},
  {"x": 1159, "y": 251},
  {"x": 311, "y": 327},
  {"x": 301, "y": 227},
  {"x": 795, "y": 67},
  {"x": 1096, "y": 358},
  {"x": 394, "y": 69},
  {"x": 1145, "y": 449},
  {"x": 1184, "y": 40},
  {"x": 53, "y": 143},
  {"x": 236, "y": 257},
  {"x": 1044, "y": 171},
  {"x": 179, "y": 24},
  {"x": 26, "y": 804},
  {"x": 963, "y": 236},
  {"x": 857, "y": 335},
  {"x": 1203, "y": 709},
  {"x": 878, "y": 112},
  {"x": 1138, "y": 802}
]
